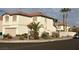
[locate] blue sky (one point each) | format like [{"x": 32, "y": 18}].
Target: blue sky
[{"x": 73, "y": 17}]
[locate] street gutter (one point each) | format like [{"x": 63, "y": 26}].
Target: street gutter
[{"x": 33, "y": 41}]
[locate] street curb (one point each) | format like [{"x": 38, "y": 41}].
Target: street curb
[{"x": 32, "y": 41}]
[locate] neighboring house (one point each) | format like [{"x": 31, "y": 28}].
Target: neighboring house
[
  {"x": 16, "y": 23},
  {"x": 1, "y": 18},
  {"x": 62, "y": 27}
]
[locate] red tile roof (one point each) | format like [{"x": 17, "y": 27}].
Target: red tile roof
[
  {"x": 30, "y": 14},
  {"x": 1, "y": 17}
]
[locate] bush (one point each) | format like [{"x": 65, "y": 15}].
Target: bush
[
  {"x": 7, "y": 36},
  {"x": 34, "y": 35},
  {"x": 21, "y": 37},
  {"x": 24, "y": 35},
  {"x": 55, "y": 35},
  {"x": 45, "y": 35}
]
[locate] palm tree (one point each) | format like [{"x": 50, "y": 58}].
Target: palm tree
[
  {"x": 65, "y": 16},
  {"x": 34, "y": 27}
]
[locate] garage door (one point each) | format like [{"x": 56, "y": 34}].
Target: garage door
[{"x": 11, "y": 31}]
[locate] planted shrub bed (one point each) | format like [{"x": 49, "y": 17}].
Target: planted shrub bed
[
  {"x": 45, "y": 35},
  {"x": 33, "y": 36},
  {"x": 7, "y": 37},
  {"x": 21, "y": 37},
  {"x": 55, "y": 35}
]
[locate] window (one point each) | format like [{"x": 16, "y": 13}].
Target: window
[
  {"x": 6, "y": 18},
  {"x": 42, "y": 26},
  {"x": 34, "y": 18},
  {"x": 14, "y": 18}
]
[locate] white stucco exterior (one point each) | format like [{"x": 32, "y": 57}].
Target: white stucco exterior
[
  {"x": 63, "y": 28},
  {"x": 66, "y": 34},
  {"x": 20, "y": 25}
]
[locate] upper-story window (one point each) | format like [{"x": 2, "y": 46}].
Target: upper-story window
[
  {"x": 14, "y": 18},
  {"x": 6, "y": 18},
  {"x": 34, "y": 18},
  {"x": 42, "y": 26}
]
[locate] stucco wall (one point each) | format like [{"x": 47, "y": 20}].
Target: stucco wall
[
  {"x": 22, "y": 30},
  {"x": 42, "y": 21},
  {"x": 24, "y": 20},
  {"x": 50, "y": 25},
  {"x": 64, "y": 34},
  {"x": 47, "y": 24}
]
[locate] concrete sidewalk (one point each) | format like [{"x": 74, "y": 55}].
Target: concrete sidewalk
[{"x": 33, "y": 41}]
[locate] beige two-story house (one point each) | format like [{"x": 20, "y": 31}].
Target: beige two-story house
[{"x": 16, "y": 23}]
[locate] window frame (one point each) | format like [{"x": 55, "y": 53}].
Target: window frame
[
  {"x": 35, "y": 18},
  {"x": 14, "y": 18},
  {"x": 6, "y": 19}
]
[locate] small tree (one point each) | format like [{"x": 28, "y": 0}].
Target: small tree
[{"x": 34, "y": 27}]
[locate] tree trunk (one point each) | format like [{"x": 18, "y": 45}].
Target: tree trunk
[{"x": 66, "y": 21}]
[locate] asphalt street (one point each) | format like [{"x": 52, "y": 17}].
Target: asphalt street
[{"x": 71, "y": 44}]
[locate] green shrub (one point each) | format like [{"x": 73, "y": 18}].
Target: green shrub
[
  {"x": 55, "y": 35},
  {"x": 19, "y": 37},
  {"x": 22, "y": 37},
  {"x": 45, "y": 35},
  {"x": 7, "y": 36},
  {"x": 34, "y": 35}
]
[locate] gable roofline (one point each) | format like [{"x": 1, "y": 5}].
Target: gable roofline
[{"x": 29, "y": 14}]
